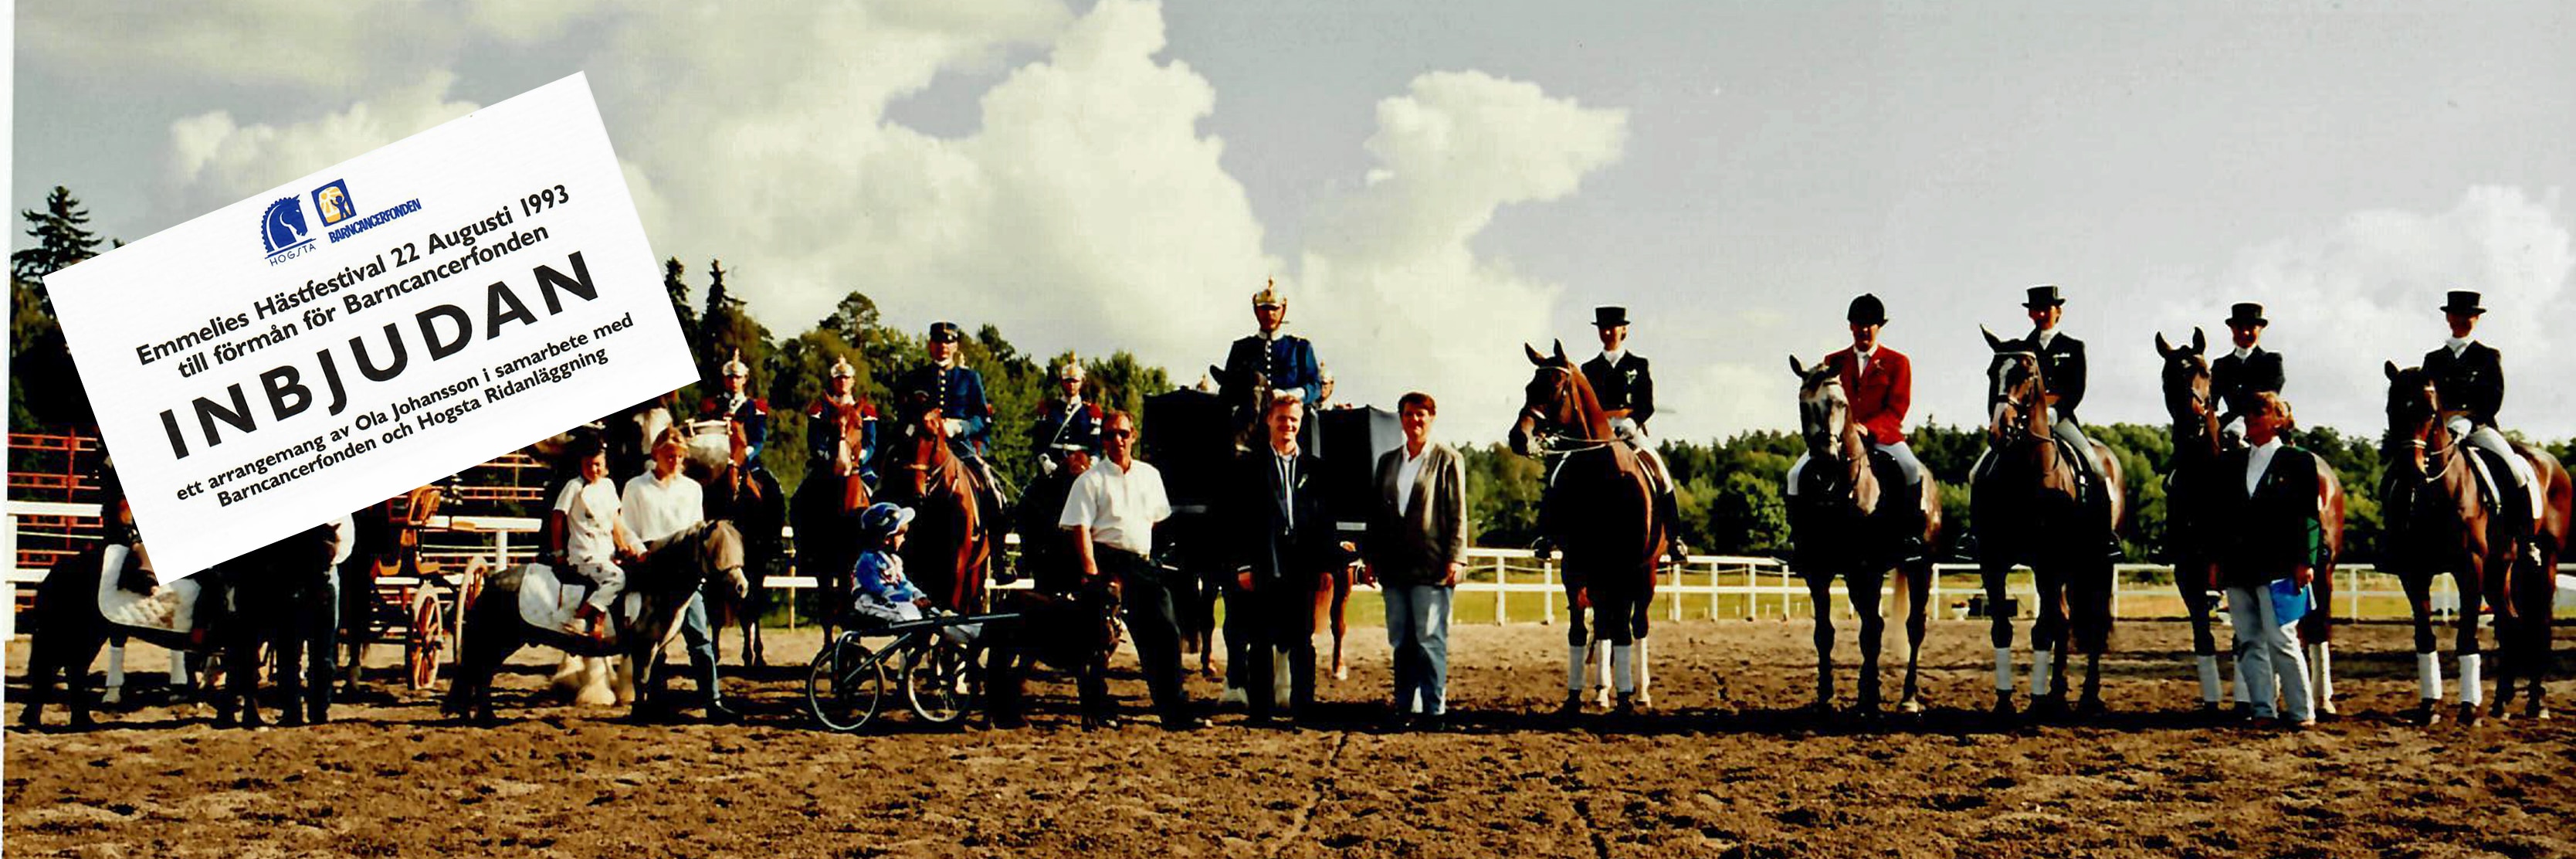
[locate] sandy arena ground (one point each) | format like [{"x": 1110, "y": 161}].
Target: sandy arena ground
[{"x": 1721, "y": 768}]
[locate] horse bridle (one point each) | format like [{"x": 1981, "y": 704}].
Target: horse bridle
[{"x": 1548, "y": 436}]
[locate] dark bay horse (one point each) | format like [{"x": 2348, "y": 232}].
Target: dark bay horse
[
  {"x": 2437, "y": 523},
  {"x": 1188, "y": 437},
  {"x": 1846, "y": 521},
  {"x": 709, "y": 552},
  {"x": 2030, "y": 505},
  {"x": 1599, "y": 507},
  {"x": 949, "y": 549},
  {"x": 2193, "y": 531}
]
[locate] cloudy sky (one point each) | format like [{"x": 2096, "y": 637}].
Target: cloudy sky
[{"x": 1438, "y": 183}]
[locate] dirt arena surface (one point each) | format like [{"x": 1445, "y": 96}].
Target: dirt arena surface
[{"x": 1720, "y": 768}]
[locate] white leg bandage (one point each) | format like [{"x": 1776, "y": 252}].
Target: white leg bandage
[
  {"x": 115, "y": 675},
  {"x": 2209, "y": 691},
  {"x": 1574, "y": 659},
  {"x": 2470, "y": 693},
  {"x": 1623, "y": 658},
  {"x": 2321, "y": 664},
  {"x": 1280, "y": 683},
  {"x": 178, "y": 669},
  {"x": 1645, "y": 678},
  {"x": 2428, "y": 676},
  {"x": 2003, "y": 670},
  {"x": 2039, "y": 665}
]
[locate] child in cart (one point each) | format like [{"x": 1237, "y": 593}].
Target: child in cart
[{"x": 882, "y": 592}]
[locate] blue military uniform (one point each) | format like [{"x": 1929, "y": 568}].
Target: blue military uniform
[
  {"x": 957, "y": 393},
  {"x": 823, "y": 435},
  {"x": 752, "y": 412},
  {"x": 1061, "y": 426},
  {"x": 1286, "y": 361}
]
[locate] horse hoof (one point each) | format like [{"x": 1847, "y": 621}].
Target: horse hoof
[
  {"x": 2004, "y": 704},
  {"x": 1573, "y": 704},
  {"x": 2536, "y": 712},
  {"x": 2091, "y": 707},
  {"x": 2425, "y": 715},
  {"x": 1627, "y": 706},
  {"x": 2468, "y": 715},
  {"x": 1910, "y": 706}
]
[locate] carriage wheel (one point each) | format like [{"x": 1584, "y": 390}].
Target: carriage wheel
[
  {"x": 846, "y": 685},
  {"x": 428, "y": 638},
  {"x": 934, "y": 679}
]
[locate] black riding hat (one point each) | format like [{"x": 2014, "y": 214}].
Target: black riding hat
[
  {"x": 1604, "y": 317},
  {"x": 2464, "y": 302},
  {"x": 2246, "y": 313},
  {"x": 2043, "y": 296},
  {"x": 1866, "y": 310}
]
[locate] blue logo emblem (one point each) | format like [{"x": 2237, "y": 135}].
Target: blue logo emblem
[
  {"x": 332, "y": 201},
  {"x": 282, "y": 228}
]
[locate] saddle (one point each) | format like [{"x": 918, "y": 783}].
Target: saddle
[
  {"x": 1651, "y": 463},
  {"x": 156, "y": 610},
  {"x": 2492, "y": 492},
  {"x": 548, "y": 599}
]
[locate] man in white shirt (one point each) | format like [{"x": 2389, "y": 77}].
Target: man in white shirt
[
  {"x": 591, "y": 536},
  {"x": 1111, "y": 511}
]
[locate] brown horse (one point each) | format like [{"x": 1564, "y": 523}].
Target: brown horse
[
  {"x": 2436, "y": 523},
  {"x": 948, "y": 552},
  {"x": 1599, "y": 507},
  {"x": 2030, "y": 506},
  {"x": 825, "y": 514},
  {"x": 1844, "y": 523},
  {"x": 2193, "y": 534}
]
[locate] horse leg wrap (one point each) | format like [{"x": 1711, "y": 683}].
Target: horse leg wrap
[
  {"x": 1281, "y": 684},
  {"x": 2470, "y": 694},
  {"x": 1574, "y": 658},
  {"x": 2208, "y": 665},
  {"x": 2321, "y": 661},
  {"x": 1601, "y": 665},
  {"x": 1623, "y": 658},
  {"x": 2003, "y": 670},
  {"x": 1645, "y": 678},
  {"x": 115, "y": 690},
  {"x": 2428, "y": 675},
  {"x": 2039, "y": 665}
]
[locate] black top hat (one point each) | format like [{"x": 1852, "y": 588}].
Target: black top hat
[
  {"x": 945, "y": 332},
  {"x": 1604, "y": 317},
  {"x": 2043, "y": 296},
  {"x": 1866, "y": 310},
  {"x": 2464, "y": 302},
  {"x": 2246, "y": 313}
]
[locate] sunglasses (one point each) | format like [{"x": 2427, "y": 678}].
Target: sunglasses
[{"x": 1121, "y": 433}]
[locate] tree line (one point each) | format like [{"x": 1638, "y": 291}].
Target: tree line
[{"x": 1729, "y": 489}]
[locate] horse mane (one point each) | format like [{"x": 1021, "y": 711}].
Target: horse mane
[{"x": 1596, "y": 422}]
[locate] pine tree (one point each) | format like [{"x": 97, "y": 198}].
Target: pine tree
[
  {"x": 674, "y": 283},
  {"x": 45, "y": 388}
]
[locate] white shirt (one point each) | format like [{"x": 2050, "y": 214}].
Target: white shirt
[
  {"x": 2257, "y": 461},
  {"x": 1613, "y": 358},
  {"x": 590, "y": 519},
  {"x": 657, "y": 509},
  {"x": 1861, "y": 357},
  {"x": 2045, "y": 335},
  {"x": 1120, "y": 506},
  {"x": 1406, "y": 473},
  {"x": 2241, "y": 353},
  {"x": 2457, "y": 345}
]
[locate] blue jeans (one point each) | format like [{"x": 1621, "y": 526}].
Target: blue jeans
[
  {"x": 700, "y": 642},
  {"x": 1417, "y": 625}
]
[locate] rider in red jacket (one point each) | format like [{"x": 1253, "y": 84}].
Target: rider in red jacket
[{"x": 1880, "y": 384}]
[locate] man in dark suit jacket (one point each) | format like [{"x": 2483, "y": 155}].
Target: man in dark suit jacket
[
  {"x": 2061, "y": 368},
  {"x": 2276, "y": 535},
  {"x": 2248, "y": 370},
  {"x": 1287, "y": 542},
  {"x": 1416, "y": 550},
  {"x": 2469, "y": 378},
  {"x": 1619, "y": 378}
]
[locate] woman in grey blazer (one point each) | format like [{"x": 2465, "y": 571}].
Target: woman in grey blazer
[{"x": 1417, "y": 546}]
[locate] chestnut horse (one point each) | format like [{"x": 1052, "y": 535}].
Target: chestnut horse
[
  {"x": 948, "y": 552},
  {"x": 2436, "y": 523},
  {"x": 825, "y": 514},
  {"x": 2029, "y": 504},
  {"x": 1844, "y": 522},
  {"x": 1599, "y": 507},
  {"x": 2193, "y": 534}
]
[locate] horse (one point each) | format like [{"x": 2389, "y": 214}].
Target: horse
[
  {"x": 759, "y": 512},
  {"x": 1599, "y": 505},
  {"x": 1075, "y": 631},
  {"x": 2436, "y": 523},
  {"x": 1186, "y": 435},
  {"x": 825, "y": 512},
  {"x": 2029, "y": 504},
  {"x": 266, "y": 596},
  {"x": 1847, "y": 523},
  {"x": 2193, "y": 534},
  {"x": 949, "y": 550},
  {"x": 706, "y": 553}
]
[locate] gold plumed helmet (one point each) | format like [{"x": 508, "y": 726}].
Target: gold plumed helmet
[
  {"x": 1269, "y": 295},
  {"x": 735, "y": 366},
  {"x": 841, "y": 368},
  {"x": 1072, "y": 368}
]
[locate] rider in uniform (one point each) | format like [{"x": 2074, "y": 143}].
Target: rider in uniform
[
  {"x": 739, "y": 406},
  {"x": 1270, "y": 361},
  {"x": 1879, "y": 383},
  {"x": 947, "y": 386},
  {"x": 2236, "y": 377},
  {"x": 824, "y": 420},
  {"x": 2061, "y": 366},
  {"x": 1065, "y": 422},
  {"x": 1626, "y": 390},
  {"x": 2468, "y": 376}
]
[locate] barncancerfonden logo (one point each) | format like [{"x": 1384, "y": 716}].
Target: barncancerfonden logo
[
  {"x": 332, "y": 201},
  {"x": 282, "y": 230}
]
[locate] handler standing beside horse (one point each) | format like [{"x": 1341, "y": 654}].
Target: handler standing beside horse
[
  {"x": 1111, "y": 511},
  {"x": 657, "y": 506},
  {"x": 2268, "y": 560},
  {"x": 1417, "y": 547}
]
